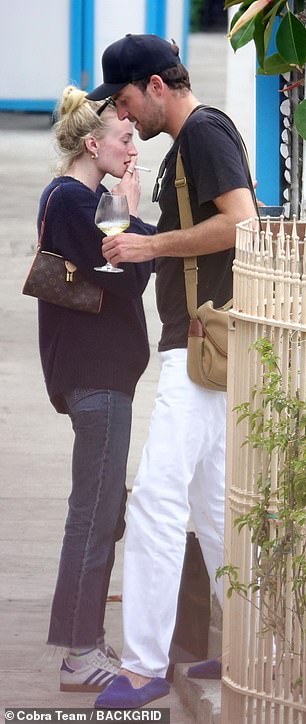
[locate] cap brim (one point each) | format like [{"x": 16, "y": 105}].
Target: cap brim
[{"x": 105, "y": 90}]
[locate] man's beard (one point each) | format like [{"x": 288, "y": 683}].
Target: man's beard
[
  {"x": 145, "y": 134},
  {"x": 152, "y": 127}
]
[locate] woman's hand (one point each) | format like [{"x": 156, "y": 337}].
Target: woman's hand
[{"x": 130, "y": 186}]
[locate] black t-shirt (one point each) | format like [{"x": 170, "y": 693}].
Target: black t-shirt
[{"x": 214, "y": 164}]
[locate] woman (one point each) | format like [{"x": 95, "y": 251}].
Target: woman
[{"x": 91, "y": 364}]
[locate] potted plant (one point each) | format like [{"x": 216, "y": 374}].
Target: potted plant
[
  {"x": 277, "y": 519},
  {"x": 266, "y": 520},
  {"x": 264, "y": 624},
  {"x": 260, "y": 21}
]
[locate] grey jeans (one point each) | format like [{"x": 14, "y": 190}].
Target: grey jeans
[{"x": 101, "y": 421}]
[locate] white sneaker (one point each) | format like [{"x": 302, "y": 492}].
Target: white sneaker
[
  {"x": 88, "y": 672},
  {"x": 112, "y": 656}
]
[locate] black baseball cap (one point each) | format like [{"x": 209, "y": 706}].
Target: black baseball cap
[{"x": 132, "y": 58}]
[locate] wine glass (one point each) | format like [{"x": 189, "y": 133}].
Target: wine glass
[{"x": 112, "y": 217}]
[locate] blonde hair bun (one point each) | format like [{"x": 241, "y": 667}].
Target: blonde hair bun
[{"x": 72, "y": 99}]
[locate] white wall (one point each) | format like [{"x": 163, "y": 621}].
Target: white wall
[
  {"x": 174, "y": 21},
  {"x": 113, "y": 19},
  {"x": 34, "y": 48},
  {"x": 241, "y": 94},
  {"x": 35, "y": 38}
]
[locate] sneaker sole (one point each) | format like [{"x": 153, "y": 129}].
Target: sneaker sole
[{"x": 90, "y": 688}]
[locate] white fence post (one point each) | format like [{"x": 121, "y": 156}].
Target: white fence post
[{"x": 264, "y": 666}]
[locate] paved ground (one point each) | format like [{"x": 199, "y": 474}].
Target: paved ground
[{"x": 35, "y": 441}]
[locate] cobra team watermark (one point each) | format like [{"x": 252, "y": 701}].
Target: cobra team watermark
[{"x": 161, "y": 716}]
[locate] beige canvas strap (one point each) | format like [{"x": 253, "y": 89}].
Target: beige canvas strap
[{"x": 186, "y": 221}]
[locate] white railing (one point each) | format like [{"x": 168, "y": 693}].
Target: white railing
[{"x": 264, "y": 668}]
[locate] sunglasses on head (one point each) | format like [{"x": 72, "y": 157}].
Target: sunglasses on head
[{"x": 108, "y": 102}]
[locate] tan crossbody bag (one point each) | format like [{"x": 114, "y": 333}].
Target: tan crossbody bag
[{"x": 208, "y": 328}]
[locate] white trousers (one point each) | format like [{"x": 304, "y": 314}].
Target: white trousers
[{"x": 181, "y": 470}]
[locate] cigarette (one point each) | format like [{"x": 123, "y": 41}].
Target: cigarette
[{"x": 142, "y": 168}]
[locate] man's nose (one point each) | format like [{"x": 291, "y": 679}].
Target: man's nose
[{"x": 122, "y": 114}]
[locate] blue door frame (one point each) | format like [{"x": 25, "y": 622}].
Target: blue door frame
[
  {"x": 80, "y": 59},
  {"x": 156, "y": 22},
  {"x": 81, "y": 48},
  {"x": 82, "y": 20}
]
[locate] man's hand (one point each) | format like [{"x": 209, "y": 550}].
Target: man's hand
[
  {"x": 207, "y": 237},
  {"x": 127, "y": 247}
]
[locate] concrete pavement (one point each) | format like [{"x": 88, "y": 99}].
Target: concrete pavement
[{"x": 36, "y": 442}]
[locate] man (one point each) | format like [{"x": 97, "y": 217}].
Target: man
[{"x": 182, "y": 466}]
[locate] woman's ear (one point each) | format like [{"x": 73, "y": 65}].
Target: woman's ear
[{"x": 91, "y": 145}]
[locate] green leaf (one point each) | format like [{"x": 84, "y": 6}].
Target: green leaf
[
  {"x": 271, "y": 18},
  {"x": 259, "y": 41},
  {"x": 300, "y": 118},
  {"x": 255, "y": 587},
  {"x": 275, "y": 8},
  {"x": 291, "y": 40},
  {"x": 229, "y": 3},
  {"x": 274, "y": 65},
  {"x": 243, "y": 7},
  {"x": 244, "y": 35}
]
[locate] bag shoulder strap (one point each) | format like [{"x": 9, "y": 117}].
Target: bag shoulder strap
[
  {"x": 185, "y": 213},
  {"x": 43, "y": 222},
  {"x": 232, "y": 131},
  {"x": 186, "y": 221}
]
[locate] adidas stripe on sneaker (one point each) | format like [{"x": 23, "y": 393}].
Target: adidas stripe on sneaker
[{"x": 90, "y": 672}]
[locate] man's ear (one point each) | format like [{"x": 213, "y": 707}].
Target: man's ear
[{"x": 157, "y": 84}]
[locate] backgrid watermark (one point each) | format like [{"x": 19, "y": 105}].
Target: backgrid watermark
[{"x": 159, "y": 716}]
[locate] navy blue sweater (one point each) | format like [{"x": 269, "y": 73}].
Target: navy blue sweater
[{"x": 108, "y": 350}]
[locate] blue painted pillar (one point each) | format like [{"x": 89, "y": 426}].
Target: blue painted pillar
[
  {"x": 156, "y": 17},
  {"x": 156, "y": 23},
  {"x": 75, "y": 57},
  {"x": 82, "y": 43},
  {"x": 268, "y": 120},
  {"x": 185, "y": 31},
  {"x": 88, "y": 13},
  {"x": 268, "y": 161}
]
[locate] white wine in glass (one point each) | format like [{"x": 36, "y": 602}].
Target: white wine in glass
[{"x": 112, "y": 217}]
